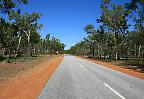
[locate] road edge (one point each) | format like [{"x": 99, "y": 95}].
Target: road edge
[{"x": 117, "y": 68}]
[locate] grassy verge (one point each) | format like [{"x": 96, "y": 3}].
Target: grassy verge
[
  {"x": 12, "y": 59},
  {"x": 8, "y": 70},
  {"x": 135, "y": 65},
  {"x": 128, "y": 64}
]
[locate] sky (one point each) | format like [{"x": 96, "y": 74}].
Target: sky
[{"x": 65, "y": 19}]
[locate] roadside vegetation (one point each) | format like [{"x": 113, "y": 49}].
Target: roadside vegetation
[
  {"x": 120, "y": 36},
  {"x": 19, "y": 36},
  {"x": 22, "y": 65}
]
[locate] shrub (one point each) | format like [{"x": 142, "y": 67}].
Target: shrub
[{"x": 2, "y": 58}]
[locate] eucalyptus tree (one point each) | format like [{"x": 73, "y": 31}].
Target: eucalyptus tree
[
  {"x": 56, "y": 46},
  {"x": 7, "y": 6},
  {"x": 34, "y": 40},
  {"x": 3, "y": 28},
  {"x": 26, "y": 24},
  {"x": 137, "y": 13},
  {"x": 30, "y": 25},
  {"x": 47, "y": 43},
  {"x": 89, "y": 29},
  {"x": 114, "y": 17},
  {"x": 78, "y": 49}
]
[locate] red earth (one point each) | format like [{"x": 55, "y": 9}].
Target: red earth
[{"x": 29, "y": 85}]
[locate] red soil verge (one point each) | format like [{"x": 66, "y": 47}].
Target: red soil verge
[
  {"x": 117, "y": 68},
  {"x": 30, "y": 84}
]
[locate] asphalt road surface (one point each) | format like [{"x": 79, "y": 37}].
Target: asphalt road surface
[{"x": 76, "y": 78}]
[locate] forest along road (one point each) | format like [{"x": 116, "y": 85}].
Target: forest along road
[{"x": 76, "y": 78}]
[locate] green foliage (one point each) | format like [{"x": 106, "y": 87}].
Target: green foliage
[
  {"x": 2, "y": 58},
  {"x": 89, "y": 28},
  {"x": 19, "y": 33},
  {"x": 6, "y": 6},
  {"x": 55, "y": 46},
  {"x": 112, "y": 40},
  {"x": 114, "y": 17},
  {"x": 135, "y": 63}
]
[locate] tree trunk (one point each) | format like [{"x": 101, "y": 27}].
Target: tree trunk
[
  {"x": 93, "y": 52},
  {"x": 29, "y": 45},
  {"x": 19, "y": 42},
  {"x": 139, "y": 52},
  {"x": 115, "y": 43},
  {"x": 98, "y": 51},
  {"x": 143, "y": 56}
]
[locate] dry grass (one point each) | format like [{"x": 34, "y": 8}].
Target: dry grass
[{"x": 8, "y": 70}]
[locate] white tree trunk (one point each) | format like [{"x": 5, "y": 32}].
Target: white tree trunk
[
  {"x": 28, "y": 38},
  {"x": 116, "y": 53},
  {"x": 19, "y": 42},
  {"x": 139, "y": 51}
]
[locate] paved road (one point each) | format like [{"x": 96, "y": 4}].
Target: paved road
[{"x": 79, "y": 79}]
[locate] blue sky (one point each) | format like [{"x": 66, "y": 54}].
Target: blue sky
[{"x": 65, "y": 19}]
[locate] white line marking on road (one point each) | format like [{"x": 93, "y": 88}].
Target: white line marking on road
[
  {"x": 114, "y": 91},
  {"x": 82, "y": 66}
]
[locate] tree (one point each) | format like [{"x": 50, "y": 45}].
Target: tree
[
  {"x": 34, "y": 40},
  {"x": 26, "y": 24},
  {"x": 47, "y": 43},
  {"x": 7, "y": 6},
  {"x": 56, "y": 46},
  {"x": 115, "y": 19},
  {"x": 19, "y": 32},
  {"x": 8, "y": 30},
  {"x": 137, "y": 12},
  {"x": 113, "y": 39},
  {"x": 89, "y": 29}
]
